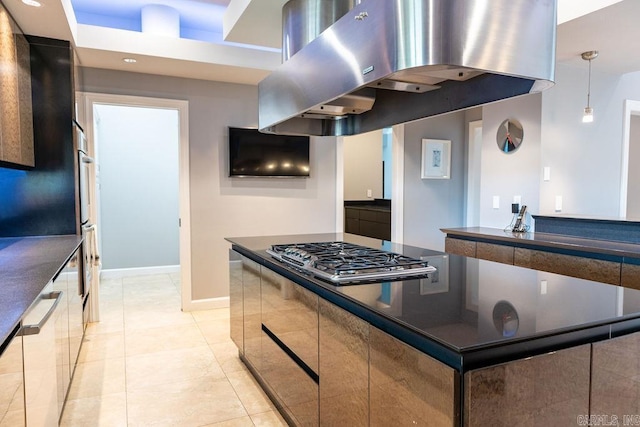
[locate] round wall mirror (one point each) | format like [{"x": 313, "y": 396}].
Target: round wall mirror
[{"x": 510, "y": 135}]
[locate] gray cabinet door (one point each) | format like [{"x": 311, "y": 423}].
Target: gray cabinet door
[
  {"x": 252, "y": 312},
  {"x": 290, "y": 346},
  {"x": 236, "y": 305},
  {"x": 408, "y": 387},
  {"x": 344, "y": 367},
  {"x": 12, "y": 410}
]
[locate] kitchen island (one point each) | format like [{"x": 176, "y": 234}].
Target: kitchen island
[{"x": 477, "y": 343}]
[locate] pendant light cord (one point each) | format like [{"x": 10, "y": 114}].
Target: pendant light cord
[{"x": 589, "y": 86}]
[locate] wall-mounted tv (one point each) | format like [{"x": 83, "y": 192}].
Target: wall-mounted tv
[{"x": 256, "y": 154}]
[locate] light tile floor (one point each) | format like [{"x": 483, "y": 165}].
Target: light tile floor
[{"x": 146, "y": 363}]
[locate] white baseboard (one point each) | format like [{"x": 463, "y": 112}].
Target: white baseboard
[
  {"x": 119, "y": 273},
  {"x": 207, "y": 304}
]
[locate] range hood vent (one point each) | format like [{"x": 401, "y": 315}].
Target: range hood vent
[{"x": 390, "y": 62}]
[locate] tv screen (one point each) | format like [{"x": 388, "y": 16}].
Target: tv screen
[{"x": 256, "y": 154}]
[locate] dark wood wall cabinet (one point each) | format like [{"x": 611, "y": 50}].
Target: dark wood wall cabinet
[
  {"x": 370, "y": 221},
  {"x": 16, "y": 115}
]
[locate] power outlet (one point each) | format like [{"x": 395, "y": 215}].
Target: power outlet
[
  {"x": 558, "y": 203},
  {"x": 369, "y": 193},
  {"x": 496, "y": 202}
]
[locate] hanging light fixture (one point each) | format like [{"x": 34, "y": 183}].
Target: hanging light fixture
[{"x": 587, "y": 116}]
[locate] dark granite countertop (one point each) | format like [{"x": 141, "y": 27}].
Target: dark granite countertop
[
  {"x": 548, "y": 240},
  {"x": 465, "y": 316},
  {"x": 382, "y": 205},
  {"x": 26, "y": 266}
]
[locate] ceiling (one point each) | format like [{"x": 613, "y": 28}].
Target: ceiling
[{"x": 238, "y": 40}]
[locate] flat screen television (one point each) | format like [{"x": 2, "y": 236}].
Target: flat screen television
[{"x": 256, "y": 154}]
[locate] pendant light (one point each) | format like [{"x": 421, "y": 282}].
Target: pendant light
[{"x": 587, "y": 116}]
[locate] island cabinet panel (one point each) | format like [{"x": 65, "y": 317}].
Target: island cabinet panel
[
  {"x": 290, "y": 312},
  {"x": 408, "y": 387},
  {"x": 252, "y": 314},
  {"x": 460, "y": 247},
  {"x": 344, "y": 367},
  {"x": 236, "y": 305},
  {"x": 630, "y": 276},
  {"x": 296, "y": 392},
  {"x": 290, "y": 346},
  {"x": 550, "y": 389},
  {"x": 498, "y": 253},
  {"x": 569, "y": 265},
  {"x": 615, "y": 379}
]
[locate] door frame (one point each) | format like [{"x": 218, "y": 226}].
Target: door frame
[
  {"x": 631, "y": 108},
  {"x": 87, "y": 101},
  {"x": 474, "y": 160}
]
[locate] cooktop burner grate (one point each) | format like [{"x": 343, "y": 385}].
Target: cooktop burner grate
[{"x": 342, "y": 262}]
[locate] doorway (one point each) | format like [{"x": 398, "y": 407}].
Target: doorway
[
  {"x": 148, "y": 188},
  {"x": 630, "y": 201}
]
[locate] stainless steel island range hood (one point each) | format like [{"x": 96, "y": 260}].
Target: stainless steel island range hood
[{"x": 393, "y": 61}]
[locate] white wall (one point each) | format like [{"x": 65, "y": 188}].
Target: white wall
[
  {"x": 585, "y": 159},
  {"x": 432, "y": 204},
  {"x": 514, "y": 174},
  {"x": 363, "y": 166},
  {"x": 221, "y": 206},
  {"x": 138, "y": 155}
]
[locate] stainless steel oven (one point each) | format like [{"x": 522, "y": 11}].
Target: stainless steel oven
[
  {"x": 87, "y": 228},
  {"x": 85, "y": 165}
]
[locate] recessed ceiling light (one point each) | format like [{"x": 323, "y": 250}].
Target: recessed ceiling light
[
  {"x": 33, "y": 3},
  {"x": 130, "y": 60}
]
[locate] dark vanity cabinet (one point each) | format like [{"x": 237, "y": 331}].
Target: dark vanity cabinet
[{"x": 368, "y": 221}]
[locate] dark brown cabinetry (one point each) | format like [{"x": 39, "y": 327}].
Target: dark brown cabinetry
[
  {"x": 16, "y": 115},
  {"x": 371, "y": 222}
]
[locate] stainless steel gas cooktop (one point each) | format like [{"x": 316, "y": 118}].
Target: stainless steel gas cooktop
[{"x": 341, "y": 262}]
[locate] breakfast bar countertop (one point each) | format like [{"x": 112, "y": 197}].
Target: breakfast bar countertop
[{"x": 546, "y": 240}]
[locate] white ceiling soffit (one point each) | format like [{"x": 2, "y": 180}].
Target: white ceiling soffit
[
  {"x": 257, "y": 22},
  {"x": 572, "y": 9},
  {"x": 613, "y": 31},
  {"x": 101, "y": 47},
  {"x": 55, "y": 19}
]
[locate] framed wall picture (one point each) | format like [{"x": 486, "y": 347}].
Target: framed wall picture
[
  {"x": 437, "y": 282},
  {"x": 436, "y": 159}
]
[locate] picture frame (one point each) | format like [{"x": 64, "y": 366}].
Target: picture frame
[
  {"x": 438, "y": 282},
  {"x": 436, "y": 159}
]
